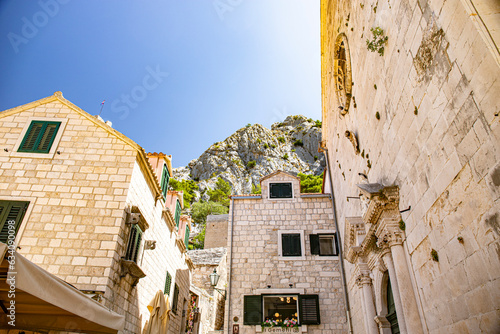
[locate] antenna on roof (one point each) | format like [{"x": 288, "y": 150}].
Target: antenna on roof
[{"x": 102, "y": 105}]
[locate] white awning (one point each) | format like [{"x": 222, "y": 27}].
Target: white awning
[{"x": 45, "y": 302}]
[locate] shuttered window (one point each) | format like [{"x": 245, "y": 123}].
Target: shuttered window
[
  {"x": 168, "y": 284},
  {"x": 176, "y": 298},
  {"x": 134, "y": 243},
  {"x": 39, "y": 137},
  {"x": 280, "y": 190},
  {"x": 323, "y": 244},
  {"x": 177, "y": 213},
  {"x": 309, "y": 310},
  {"x": 290, "y": 244},
  {"x": 186, "y": 236},
  {"x": 165, "y": 178},
  {"x": 11, "y": 214},
  {"x": 252, "y": 310}
]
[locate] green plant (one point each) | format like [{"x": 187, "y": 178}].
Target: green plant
[
  {"x": 378, "y": 40},
  {"x": 251, "y": 164},
  {"x": 315, "y": 157},
  {"x": 259, "y": 141},
  {"x": 402, "y": 225},
  {"x": 293, "y": 150},
  {"x": 281, "y": 140},
  {"x": 273, "y": 146},
  {"x": 415, "y": 111},
  {"x": 248, "y": 125},
  {"x": 188, "y": 187},
  {"x": 285, "y": 156},
  {"x": 256, "y": 189},
  {"x": 434, "y": 255},
  {"x": 377, "y": 115},
  {"x": 298, "y": 142},
  {"x": 266, "y": 146},
  {"x": 317, "y": 124},
  {"x": 310, "y": 183},
  {"x": 460, "y": 240}
]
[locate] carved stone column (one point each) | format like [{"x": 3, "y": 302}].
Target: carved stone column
[
  {"x": 386, "y": 256},
  {"x": 365, "y": 283},
  {"x": 408, "y": 300}
]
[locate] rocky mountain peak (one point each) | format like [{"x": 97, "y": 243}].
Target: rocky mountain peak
[{"x": 254, "y": 151}]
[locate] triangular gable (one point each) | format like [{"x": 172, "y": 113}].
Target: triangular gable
[
  {"x": 58, "y": 97},
  {"x": 276, "y": 173}
]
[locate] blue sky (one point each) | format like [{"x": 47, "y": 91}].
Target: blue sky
[{"x": 177, "y": 75}]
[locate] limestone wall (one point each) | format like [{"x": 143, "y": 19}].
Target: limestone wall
[
  {"x": 425, "y": 117},
  {"x": 255, "y": 260},
  {"x": 216, "y": 231}
]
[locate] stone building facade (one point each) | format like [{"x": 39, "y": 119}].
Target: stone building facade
[
  {"x": 91, "y": 208},
  {"x": 211, "y": 302},
  {"x": 412, "y": 132},
  {"x": 216, "y": 231},
  {"x": 275, "y": 270}
]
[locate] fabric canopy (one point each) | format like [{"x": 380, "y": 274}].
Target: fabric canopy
[
  {"x": 45, "y": 302},
  {"x": 158, "y": 319}
]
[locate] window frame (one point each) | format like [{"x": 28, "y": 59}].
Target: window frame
[
  {"x": 281, "y": 198},
  {"x": 324, "y": 233},
  {"x": 55, "y": 143},
  {"x": 177, "y": 215},
  {"x": 132, "y": 251},
  {"x": 175, "y": 299},
  {"x": 21, "y": 215},
  {"x": 280, "y": 245},
  {"x": 164, "y": 184}
]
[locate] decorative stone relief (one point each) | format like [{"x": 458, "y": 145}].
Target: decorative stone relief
[
  {"x": 342, "y": 73},
  {"x": 354, "y": 141}
]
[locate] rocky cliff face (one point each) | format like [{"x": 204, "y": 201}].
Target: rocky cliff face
[{"x": 254, "y": 151}]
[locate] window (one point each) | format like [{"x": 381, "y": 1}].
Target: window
[
  {"x": 323, "y": 244},
  {"x": 39, "y": 137},
  {"x": 280, "y": 190},
  {"x": 177, "y": 216},
  {"x": 290, "y": 244},
  {"x": 168, "y": 283},
  {"x": 176, "y": 298},
  {"x": 186, "y": 236},
  {"x": 134, "y": 243},
  {"x": 165, "y": 178},
  {"x": 11, "y": 216},
  {"x": 301, "y": 308}
]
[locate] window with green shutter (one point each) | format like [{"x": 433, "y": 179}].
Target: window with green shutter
[
  {"x": 290, "y": 244},
  {"x": 176, "y": 298},
  {"x": 186, "y": 236},
  {"x": 280, "y": 190},
  {"x": 309, "y": 310},
  {"x": 39, "y": 137},
  {"x": 168, "y": 283},
  {"x": 252, "y": 310},
  {"x": 134, "y": 243},
  {"x": 11, "y": 216},
  {"x": 177, "y": 216},
  {"x": 165, "y": 178}
]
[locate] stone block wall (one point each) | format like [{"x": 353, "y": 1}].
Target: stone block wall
[
  {"x": 425, "y": 117},
  {"x": 255, "y": 260},
  {"x": 216, "y": 231}
]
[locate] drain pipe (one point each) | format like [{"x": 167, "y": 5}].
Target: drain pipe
[
  {"x": 230, "y": 271},
  {"x": 323, "y": 149}
]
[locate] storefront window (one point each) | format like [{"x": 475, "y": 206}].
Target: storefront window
[{"x": 281, "y": 308}]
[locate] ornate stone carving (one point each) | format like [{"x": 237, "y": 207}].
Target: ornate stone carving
[
  {"x": 354, "y": 141},
  {"x": 363, "y": 279},
  {"x": 342, "y": 73}
]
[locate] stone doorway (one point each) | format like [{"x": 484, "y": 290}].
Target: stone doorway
[{"x": 391, "y": 310}]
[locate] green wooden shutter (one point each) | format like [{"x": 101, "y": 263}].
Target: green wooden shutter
[
  {"x": 11, "y": 211},
  {"x": 168, "y": 283},
  {"x": 252, "y": 310},
  {"x": 309, "y": 310},
  {"x": 291, "y": 245},
  {"x": 134, "y": 243},
  {"x": 286, "y": 190},
  {"x": 186, "y": 236},
  {"x": 177, "y": 213},
  {"x": 39, "y": 137},
  {"x": 164, "y": 181},
  {"x": 176, "y": 298},
  {"x": 314, "y": 240}
]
